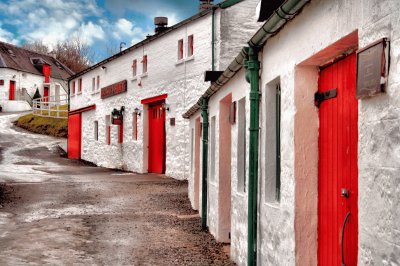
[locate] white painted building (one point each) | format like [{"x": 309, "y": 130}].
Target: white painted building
[
  {"x": 159, "y": 78},
  {"x": 21, "y": 74},
  {"x": 317, "y": 166}
]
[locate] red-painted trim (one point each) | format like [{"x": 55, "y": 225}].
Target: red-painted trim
[
  {"x": 154, "y": 99},
  {"x": 81, "y": 110}
]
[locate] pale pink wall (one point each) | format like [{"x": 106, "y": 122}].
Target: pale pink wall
[
  {"x": 224, "y": 194},
  {"x": 197, "y": 132},
  {"x": 306, "y": 165}
]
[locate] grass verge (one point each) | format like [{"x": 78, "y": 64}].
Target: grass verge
[{"x": 56, "y": 127}]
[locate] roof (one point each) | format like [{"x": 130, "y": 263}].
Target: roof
[
  {"x": 271, "y": 27},
  {"x": 222, "y": 5},
  {"x": 18, "y": 58}
]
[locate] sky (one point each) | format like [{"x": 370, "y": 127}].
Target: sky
[{"x": 102, "y": 24}]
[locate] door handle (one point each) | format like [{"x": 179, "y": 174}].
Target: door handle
[{"x": 343, "y": 227}]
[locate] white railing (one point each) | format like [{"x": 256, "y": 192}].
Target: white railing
[{"x": 55, "y": 106}]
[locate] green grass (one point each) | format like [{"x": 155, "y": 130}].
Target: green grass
[{"x": 57, "y": 127}]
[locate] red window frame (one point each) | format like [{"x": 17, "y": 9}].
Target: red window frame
[
  {"x": 121, "y": 133},
  {"x": 73, "y": 87},
  {"x": 108, "y": 134},
  {"x": 134, "y": 68},
  {"x": 180, "y": 49},
  {"x": 144, "y": 64},
  {"x": 80, "y": 85},
  {"x": 135, "y": 126},
  {"x": 190, "y": 45}
]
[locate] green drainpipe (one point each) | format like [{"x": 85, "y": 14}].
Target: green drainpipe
[
  {"x": 213, "y": 40},
  {"x": 204, "y": 114},
  {"x": 252, "y": 66}
]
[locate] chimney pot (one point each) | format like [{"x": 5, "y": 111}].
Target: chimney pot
[
  {"x": 205, "y": 4},
  {"x": 160, "y": 24}
]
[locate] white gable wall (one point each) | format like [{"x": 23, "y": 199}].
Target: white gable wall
[{"x": 22, "y": 80}]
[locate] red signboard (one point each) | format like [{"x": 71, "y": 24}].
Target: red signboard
[{"x": 114, "y": 89}]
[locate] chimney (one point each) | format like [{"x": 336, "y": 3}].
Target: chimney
[
  {"x": 161, "y": 24},
  {"x": 205, "y": 4}
]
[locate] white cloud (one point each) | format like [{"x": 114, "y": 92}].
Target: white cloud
[
  {"x": 6, "y": 36},
  {"x": 90, "y": 31},
  {"x": 53, "y": 20}
]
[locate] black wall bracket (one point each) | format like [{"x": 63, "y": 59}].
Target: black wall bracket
[{"x": 322, "y": 96}]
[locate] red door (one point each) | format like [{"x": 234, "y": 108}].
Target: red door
[
  {"x": 46, "y": 94},
  {"x": 74, "y": 136},
  {"x": 11, "y": 95},
  {"x": 156, "y": 138},
  {"x": 338, "y": 172}
]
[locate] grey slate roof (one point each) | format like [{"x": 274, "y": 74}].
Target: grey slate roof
[{"x": 17, "y": 58}]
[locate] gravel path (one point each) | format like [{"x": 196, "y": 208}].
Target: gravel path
[{"x": 60, "y": 212}]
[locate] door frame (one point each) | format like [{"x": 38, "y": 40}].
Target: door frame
[
  {"x": 80, "y": 111},
  {"x": 147, "y": 103},
  {"x": 306, "y": 131},
  {"x": 11, "y": 93}
]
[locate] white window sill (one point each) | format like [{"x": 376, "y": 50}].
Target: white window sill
[
  {"x": 95, "y": 92},
  {"x": 190, "y": 58},
  {"x": 79, "y": 93},
  {"x": 181, "y": 61},
  {"x": 72, "y": 95},
  {"x": 143, "y": 75},
  {"x": 274, "y": 205},
  {"x": 134, "y": 78}
]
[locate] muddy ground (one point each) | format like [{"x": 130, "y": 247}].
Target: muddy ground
[{"x": 60, "y": 212}]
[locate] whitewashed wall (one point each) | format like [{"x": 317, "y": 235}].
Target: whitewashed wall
[
  {"x": 379, "y": 135},
  {"x": 378, "y": 128},
  {"x": 25, "y": 80},
  {"x": 239, "y": 88},
  {"x": 183, "y": 81}
]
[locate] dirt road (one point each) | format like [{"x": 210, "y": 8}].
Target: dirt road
[{"x": 60, "y": 212}]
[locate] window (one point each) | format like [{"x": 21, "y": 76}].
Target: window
[
  {"x": 241, "y": 146},
  {"x": 80, "y": 86},
  {"x": 180, "y": 49},
  {"x": 134, "y": 68},
  {"x": 212, "y": 148},
  {"x": 190, "y": 48},
  {"x": 272, "y": 143},
  {"x": 93, "y": 84},
  {"x": 98, "y": 82},
  {"x": 73, "y": 88},
  {"x": 134, "y": 126},
  {"x": 144, "y": 64},
  {"x": 96, "y": 130},
  {"x": 108, "y": 130},
  {"x": 121, "y": 133}
]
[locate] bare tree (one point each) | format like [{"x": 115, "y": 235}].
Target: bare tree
[
  {"x": 75, "y": 53},
  {"x": 36, "y": 46}
]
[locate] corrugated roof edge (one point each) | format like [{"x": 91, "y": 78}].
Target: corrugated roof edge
[
  {"x": 271, "y": 27},
  {"x": 39, "y": 54},
  {"x": 222, "y": 5}
]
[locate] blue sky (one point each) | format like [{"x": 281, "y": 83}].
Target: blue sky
[{"x": 100, "y": 23}]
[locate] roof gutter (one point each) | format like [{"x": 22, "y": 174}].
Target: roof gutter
[{"x": 287, "y": 11}]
